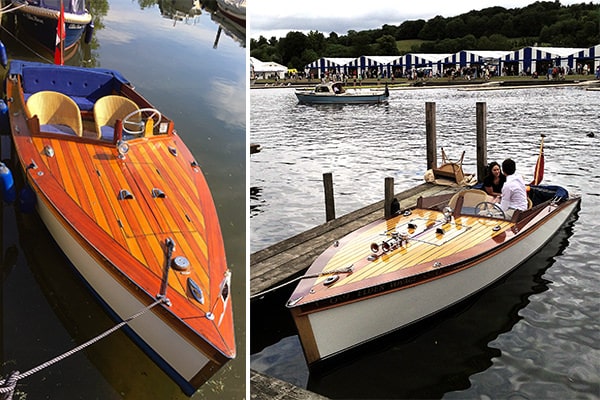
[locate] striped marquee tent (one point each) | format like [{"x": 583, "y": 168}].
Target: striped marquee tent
[
  {"x": 540, "y": 58},
  {"x": 466, "y": 58},
  {"x": 421, "y": 60},
  {"x": 328, "y": 64},
  {"x": 382, "y": 65}
]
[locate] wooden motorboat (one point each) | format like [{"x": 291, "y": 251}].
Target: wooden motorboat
[
  {"x": 39, "y": 18},
  {"x": 395, "y": 272},
  {"x": 336, "y": 93},
  {"x": 128, "y": 204}
]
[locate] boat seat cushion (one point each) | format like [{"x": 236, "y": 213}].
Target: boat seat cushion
[
  {"x": 84, "y": 89},
  {"x": 56, "y": 113}
]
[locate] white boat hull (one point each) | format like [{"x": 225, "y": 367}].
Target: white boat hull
[
  {"x": 177, "y": 356},
  {"x": 342, "y": 327}
]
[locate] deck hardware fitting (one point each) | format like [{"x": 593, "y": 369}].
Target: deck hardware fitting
[
  {"x": 125, "y": 194},
  {"x": 157, "y": 193},
  {"x": 48, "y": 151}
]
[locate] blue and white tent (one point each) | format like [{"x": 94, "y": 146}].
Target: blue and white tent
[
  {"x": 422, "y": 60},
  {"x": 539, "y": 58},
  {"x": 470, "y": 58},
  {"x": 377, "y": 65},
  {"x": 328, "y": 65}
]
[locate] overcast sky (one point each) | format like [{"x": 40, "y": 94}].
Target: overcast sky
[{"x": 278, "y": 17}]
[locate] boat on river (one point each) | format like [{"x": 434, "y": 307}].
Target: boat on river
[
  {"x": 39, "y": 19},
  {"x": 395, "y": 272},
  {"x": 336, "y": 93},
  {"x": 127, "y": 203}
]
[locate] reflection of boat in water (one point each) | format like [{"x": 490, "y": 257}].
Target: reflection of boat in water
[
  {"x": 180, "y": 10},
  {"x": 127, "y": 203},
  {"x": 39, "y": 18},
  {"x": 234, "y": 9},
  {"x": 231, "y": 27},
  {"x": 335, "y": 93},
  {"x": 393, "y": 273}
]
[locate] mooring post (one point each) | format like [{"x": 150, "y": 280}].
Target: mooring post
[
  {"x": 430, "y": 133},
  {"x": 329, "y": 204},
  {"x": 481, "y": 140},
  {"x": 390, "y": 204}
]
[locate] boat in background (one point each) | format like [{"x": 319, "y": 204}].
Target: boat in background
[
  {"x": 234, "y": 9},
  {"x": 393, "y": 273},
  {"x": 335, "y": 93},
  {"x": 127, "y": 203},
  {"x": 39, "y": 19}
]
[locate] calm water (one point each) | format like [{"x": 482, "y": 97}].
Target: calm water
[
  {"x": 46, "y": 310},
  {"x": 534, "y": 335}
]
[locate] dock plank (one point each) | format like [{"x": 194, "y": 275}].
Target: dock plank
[{"x": 267, "y": 388}]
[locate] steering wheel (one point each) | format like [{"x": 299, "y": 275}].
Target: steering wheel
[
  {"x": 130, "y": 121},
  {"x": 489, "y": 209}
]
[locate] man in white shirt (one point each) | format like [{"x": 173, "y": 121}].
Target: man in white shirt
[{"x": 514, "y": 193}]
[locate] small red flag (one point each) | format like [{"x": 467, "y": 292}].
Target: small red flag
[{"x": 60, "y": 36}]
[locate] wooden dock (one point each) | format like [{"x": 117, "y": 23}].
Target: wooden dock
[{"x": 267, "y": 388}]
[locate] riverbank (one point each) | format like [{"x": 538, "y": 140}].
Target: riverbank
[{"x": 499, "y": 81}]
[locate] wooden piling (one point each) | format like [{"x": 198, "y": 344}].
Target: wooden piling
[
  {"x": 430, "y": 133},
  {"x": 481, "y": 110},
  {"x": 329, "y": 202},
  {"x": 390, "y": 203}
]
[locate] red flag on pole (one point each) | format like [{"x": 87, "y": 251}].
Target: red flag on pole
[
  {"x": 60, "y": 36},
  {"x": 538, "y": 174}
]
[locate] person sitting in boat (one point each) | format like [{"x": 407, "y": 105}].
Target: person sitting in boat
[
  {"x": 514, "y": 192},
  {"x": 494, "y": 180},
  {"x": 337, "y": 88}
]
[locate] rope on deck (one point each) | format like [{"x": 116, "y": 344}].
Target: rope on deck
[{"x": 7, "y": 386}]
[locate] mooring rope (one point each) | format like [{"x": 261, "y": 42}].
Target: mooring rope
[
  {"x": 7, "y": 386},
  {"x": 346, "y": 270}
]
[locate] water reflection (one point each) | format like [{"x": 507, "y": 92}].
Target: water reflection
[
  {"x": 256, "y": 200},
  {"x": 400, "y": 365}
]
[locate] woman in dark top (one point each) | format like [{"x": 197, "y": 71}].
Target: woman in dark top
[{"x": 494, "y": 180}]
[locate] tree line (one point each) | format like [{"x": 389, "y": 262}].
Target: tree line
[{"x": 543, "y": 23}]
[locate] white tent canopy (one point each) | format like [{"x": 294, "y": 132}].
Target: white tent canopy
[{"x": 269, "y": 68}]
